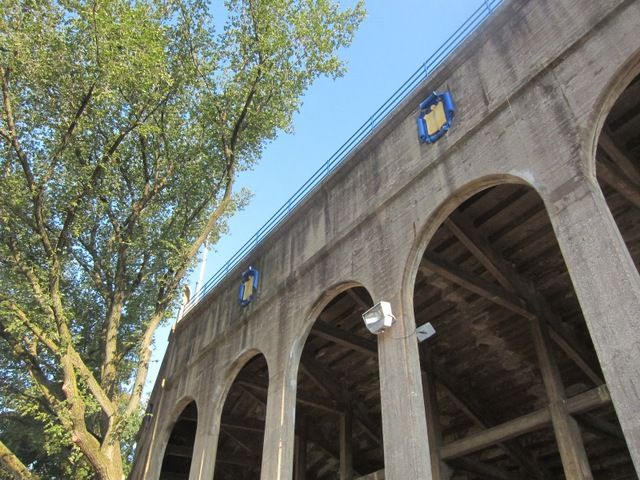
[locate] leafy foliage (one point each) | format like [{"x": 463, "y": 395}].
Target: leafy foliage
[{"x": 122, "y": 127}]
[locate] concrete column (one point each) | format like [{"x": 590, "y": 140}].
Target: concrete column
[
  {"x": 404, "y": 426},
  {"x": 279, "y": 436},
  {"x": 157, "y": 436},
  {"x": 607, "y": 284}
]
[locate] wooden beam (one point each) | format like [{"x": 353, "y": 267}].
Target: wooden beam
[
  {"x": 241, "y": 423},
  {"x": 480, "y": 417},
  {"x": 487, "y": 472},
  {"x": 589, "y": 400},
  {"x": 462, "y": 228},
  {"x": 315, "y": 437},
  {"x": 619, "y": 157},
  {"x": 530, "y": 422},
  {"x": 601, "y": 427},
  {"x": 506, "y": 274},
  {"x": 361, "y": 303},
  {"x": 325, "y": 378},
  {"x": 319, "y": 375},
  {"x": 609, "y": 174},
  {"x": 241, "y": 460},
  {"x": 346, "y": 339},
  {"x": 439, "y": 470},
  {"x": 572, "y": 452},
  {"x": 346, "y": 443},
  {"x": 233, "y": 436},
  {"x": 475, "y": 284},
  {"x": 320, "y": 403},
  {"x": 300, "y": 453},
  {"x": 379, "y": 475},
  {"x": 181, "y": 451},
  {"x": 368, "y": 425},
  {"x": 524, "y": 424}
]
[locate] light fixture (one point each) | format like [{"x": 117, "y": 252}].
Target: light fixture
[
  {"x": 379, "y": 317},
  {"x": 425, "y": 332}
]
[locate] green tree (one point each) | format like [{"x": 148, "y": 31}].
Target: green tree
[{"x": 123, "y": 125}]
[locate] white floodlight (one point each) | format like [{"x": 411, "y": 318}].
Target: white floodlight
[
  {"x": 378, "y": 317},
  {"x": 425, "y": 331}
]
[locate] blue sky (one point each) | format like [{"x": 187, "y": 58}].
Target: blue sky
[{"x": 395, "y": 38}]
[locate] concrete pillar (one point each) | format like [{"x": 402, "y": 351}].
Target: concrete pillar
[
  {"x": 279, "y": 435},
  {"x": 404, "y": 426},
  {"x": 607, "y": 285},
  {"x": 157, "y": 437}
]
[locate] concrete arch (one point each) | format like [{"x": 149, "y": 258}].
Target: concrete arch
[
  {"x": 234, "y": 370},
  {"x": 609, "y": 93},
  {"x": 229, "y": 376},
  {"x": 174, "y": 415},
  {"x": 439, "y": 215},
  {"x": 178, "y": 408},
  {"x": 312, "y": 314}
]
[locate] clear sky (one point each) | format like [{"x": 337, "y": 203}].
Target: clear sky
[{"x": 394, "y": 39}]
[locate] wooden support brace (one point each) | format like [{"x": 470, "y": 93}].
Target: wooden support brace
[
  {"x": 530, "y": 422},
  {"x": 326, "y": 404},
  {"x": 512, "y": 281},
  {"x": 572, "y": 451},
  {"x": 601, "y": 427},
  {"x": 379, "y": 475},
  {"x": 609, "y": 175},
  {"x": 300, "y": 454},
  {"x": 487, "y": 472},
  {"x": 512, "y": 447},
  {"x": 619, "y": 157},
  {"x": 439, "y": 470},
  {"x": 346, "y": 339},
  {"x": 346, "y": 443}
]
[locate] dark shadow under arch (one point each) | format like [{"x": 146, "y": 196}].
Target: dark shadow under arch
[
  {"x": 493, "y": 284},
  {"x": 178, "y": 453},
  {"x": 610, "y": 101},
  {"x": 338, "y": 420},
  {"x": 618, "y": 165},
  {"x": 241, "y": 438}
]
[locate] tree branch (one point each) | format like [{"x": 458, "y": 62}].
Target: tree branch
[
  {"x": 50, "y": 344},
  {"x": 13, "y": 465},
  {"x": 66, "y": 138},
  {"x": 45, "y": 386},
  {"x": 36, "y": 193}
]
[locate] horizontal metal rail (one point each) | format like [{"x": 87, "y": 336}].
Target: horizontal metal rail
[{"x": 433, "y": 62}]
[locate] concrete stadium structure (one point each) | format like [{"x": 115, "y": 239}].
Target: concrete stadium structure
[{"x": 516, "y": 235}]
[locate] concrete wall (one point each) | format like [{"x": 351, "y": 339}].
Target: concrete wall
[{"x": 532, "y": 87}]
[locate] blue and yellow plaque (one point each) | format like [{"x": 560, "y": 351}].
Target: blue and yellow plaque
[
  {"x": 248, "y": 286},
  {"x": 436, "y": 116}
]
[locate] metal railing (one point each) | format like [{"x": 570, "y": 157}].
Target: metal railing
[{"x": 433, "y": 62}]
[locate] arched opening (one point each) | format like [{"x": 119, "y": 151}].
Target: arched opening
[
  {"x": 618, "y": 165},
  {"x": 179, "y": 450},
  {"x": 338, "y": 421},
  {"x": 512, "y": 385},
  {"x": 239, "y": 454}
]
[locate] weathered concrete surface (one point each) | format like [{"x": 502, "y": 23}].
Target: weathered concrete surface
[{"x": 532, "y": 87}]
